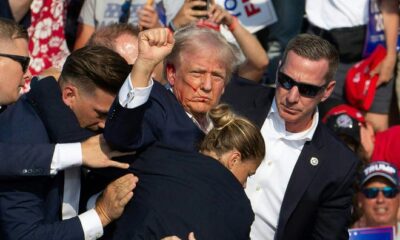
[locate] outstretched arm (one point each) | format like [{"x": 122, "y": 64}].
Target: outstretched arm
[
  {"x": 389, "y": 9},
  {"x": 256, "y": 57}
]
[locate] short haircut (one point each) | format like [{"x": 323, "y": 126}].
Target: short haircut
[
  {"x": 10, "y": 30},
  {"x": 106, "y": 35},
  {"x": 94, "y": 67},
  {"x": 314, "y": 48},
  {"x": 192, "y": 38},
  {"x": 233, "y": 132}
]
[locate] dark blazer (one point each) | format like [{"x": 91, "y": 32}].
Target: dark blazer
[
  {"x": 17, "y": 160},
  {"x": 30, "y": 208},
  {"x": 34, "y": 159},
  {"x": 317, "y": 201},
  {"x": 179, "y": 192},
  {"x": 161, "y": 119}
]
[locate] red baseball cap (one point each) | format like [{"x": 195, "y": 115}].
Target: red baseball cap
[
  {"x": 345, "y": 119},
  {"x": 360, "y": 86}
]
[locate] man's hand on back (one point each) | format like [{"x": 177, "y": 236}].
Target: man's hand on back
[
  {"x": 111, "y": 204},
  {"x": 96, "y": 154}
]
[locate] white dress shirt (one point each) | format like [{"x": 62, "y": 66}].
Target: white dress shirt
[
  {"x": 68, "y": 157},
  {"x": 266, "y": 188}
]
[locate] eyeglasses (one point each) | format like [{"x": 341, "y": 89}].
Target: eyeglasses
[
  {"x": 125, "y": 11},
  {"x": 23, "y": 61},
  {"x": 388, "y": 192},
  {"x": 305, "y": 90}
]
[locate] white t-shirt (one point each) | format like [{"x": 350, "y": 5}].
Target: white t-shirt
[
  {"x": 99, "y": 13},
  {"x": 172, "y": 8},
  {"x": 329, "y": 14}
]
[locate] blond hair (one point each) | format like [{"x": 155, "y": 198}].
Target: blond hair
[{"x": 233, "y": 132}]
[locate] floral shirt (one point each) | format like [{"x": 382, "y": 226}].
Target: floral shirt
[{"x": 47, "y": 44}]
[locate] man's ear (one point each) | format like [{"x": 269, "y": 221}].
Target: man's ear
[
  {"x": 171, "y": 74},
  {"x": 328, "y": 90},
  {"x": 69, "y": 94},
  {"x": 234, "y": 157}
]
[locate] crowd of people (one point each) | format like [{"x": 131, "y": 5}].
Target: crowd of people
[{"x": 155, "y": 124}]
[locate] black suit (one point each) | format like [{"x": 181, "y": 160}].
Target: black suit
[
  {"x": 317, "y": 201},
  {"x": 34, "y": 159},
  {"x": 17, "y": 160},
  {"x": 30, "y": 208},
  {"x": 179, "y": 192},
  {"x": 161, "y": 119}
]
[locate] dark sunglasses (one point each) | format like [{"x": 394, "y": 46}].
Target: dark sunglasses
[
  {"x": 305, "y": 90},
  {"x": 125, "y": 11},
  {"x": 388, "y": 192},
  {"x": 23, "y": 61}
]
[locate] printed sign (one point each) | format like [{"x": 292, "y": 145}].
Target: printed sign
[
  {"x": 375, "y": 32},
  {"x": 383, "y": 233},
  {"x": 253, "y": 14}
]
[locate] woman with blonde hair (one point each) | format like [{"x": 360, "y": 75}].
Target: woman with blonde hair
[{"x": 181, "y": 192}]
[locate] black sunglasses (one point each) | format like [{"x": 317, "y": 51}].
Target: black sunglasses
[
  {"x": 125, "y": 11},
  {"x": 388, "y": 192},
  {"x": 305, "y": 90},
  {"x": 24, "y": 61}
]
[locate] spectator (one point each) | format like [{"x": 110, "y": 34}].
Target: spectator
[
  {"x": 255, "y": 58},
  {"x": 343, "y": 23},
  {"x": 96, "y": 13},
  {"x": 349, "y": 123},
  {"x": 47, "y": 44},
  {"x": 379, "y": 195},
  {"x": 276, "y": 36},
  {"x": 306, "y": 192},
  {"x": 17, "y": 10},
  {"x": 123, "y": 38},
  {"x": 149, "y": 16},
  {"x": 181, "y": 13}
]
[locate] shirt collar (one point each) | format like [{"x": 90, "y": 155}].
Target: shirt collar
[
  {"x": 208, "y": 126},
  {"x": 279, "y": 126}
]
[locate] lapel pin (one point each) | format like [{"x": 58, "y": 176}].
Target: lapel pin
[{"x": 314, "y": 161}]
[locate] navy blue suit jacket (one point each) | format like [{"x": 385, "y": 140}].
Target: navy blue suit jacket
[
  {"x": 179, "y": 192},
  {"x": 34, "y": 159},
  {"x": 30, "y": 208},
  {"x": 317, "y": 201},
  {"x": 18, "y": 160},
  {"x": 161, "y": 119}
]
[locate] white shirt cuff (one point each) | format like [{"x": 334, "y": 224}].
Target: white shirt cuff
[
  {"x": 131, "y": 97},
  {"x": 91, "y": 225},
  {"x": 65, "y": 156}
]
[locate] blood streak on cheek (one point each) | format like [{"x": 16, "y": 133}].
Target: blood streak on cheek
[{"x": 192, "y": 86}]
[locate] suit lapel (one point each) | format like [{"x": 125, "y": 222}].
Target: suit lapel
[
  {"x": 262, "y": 105},
  {"x": 304, "y": 171}
]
